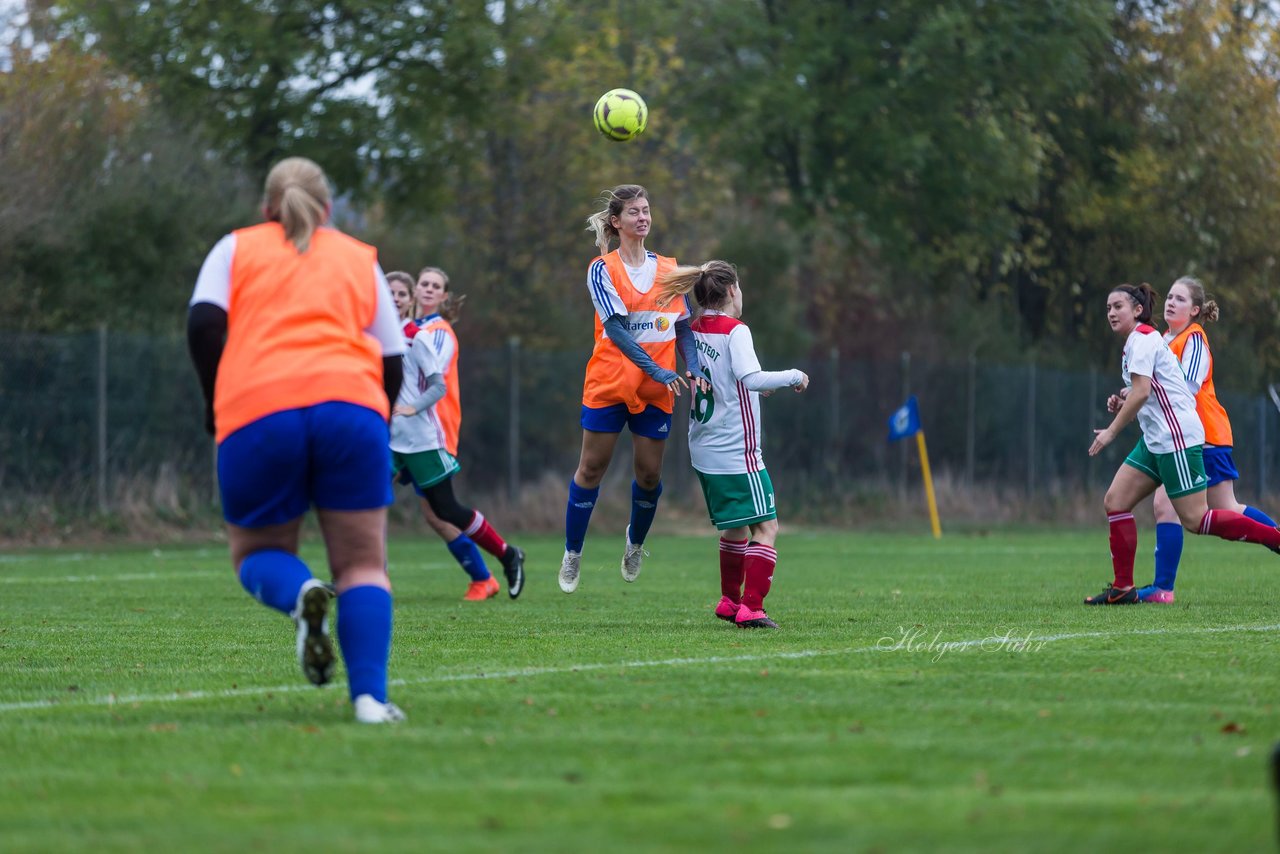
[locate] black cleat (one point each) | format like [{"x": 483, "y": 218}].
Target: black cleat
[
  {"x": 315, "y": 649},
  {"x": 513, "y": 569},
  {"x": 1114, "y": 596}
]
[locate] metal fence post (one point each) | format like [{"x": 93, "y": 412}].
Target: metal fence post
[
  {"x": 1093, "y": 398},
  {"x": 902, "y": 446},
  {"x": 101, "y": 451},
  {"x": 513, "y": 418},
  {"x": 1262, "y": 447},
  {"x": 1031, "y": 428},
  {"x": 833, "y": 424},
  {"x": 971, "y": 421}
]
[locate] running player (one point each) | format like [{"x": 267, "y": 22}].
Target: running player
[
  {"x": 631, "y": 377},
  {"x": 1169, "y": 452},
  {"x": 418, "y": 450},
  {"x": 299, "y": 396},
  {"x": 724, "y": 438},
  {"x": 1186, "y": 308},
  {"x": 436, "y": 313}
]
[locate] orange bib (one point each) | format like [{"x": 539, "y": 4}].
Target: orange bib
[
  {"x": 1217, "y": 427},
  {"x": 296, "y": 327},
  {"x": 612, "y": 378}
]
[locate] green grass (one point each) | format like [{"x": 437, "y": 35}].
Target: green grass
[{"x": 626, "y": 716}]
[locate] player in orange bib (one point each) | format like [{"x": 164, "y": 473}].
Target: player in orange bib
[
  {"x": 631, "y": 378},
  {"x": 298, "y": 397},
  {"x": 1186, "y": 308},
  {"x": 436, "y": 310}
]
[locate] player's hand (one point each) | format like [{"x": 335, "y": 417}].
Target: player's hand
[
  {"x": 676, "y": 384},
  {"x": 1114, "y": 402},
  {"x": 1101, "y": 438},
  {"x": 803, "y": 384},
  {"x": 403, "y": 409},
  {"x": 699, "y": 384}
]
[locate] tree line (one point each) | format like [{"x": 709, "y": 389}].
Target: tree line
[{"x": 950, "y": 178}]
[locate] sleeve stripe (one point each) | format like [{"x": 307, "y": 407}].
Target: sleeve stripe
[
  {"x": 600, "y": 293},
  {"x": 1191, "y": 357}
]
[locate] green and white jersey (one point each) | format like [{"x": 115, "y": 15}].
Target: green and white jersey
[
  {"x": 411, "y": 434},
  {"x": 724, "y": 425}
]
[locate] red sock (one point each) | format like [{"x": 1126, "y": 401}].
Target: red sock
[
  {"x": 1231, "y": 525},
  {"x": 1124, "y": 545},
  {"x": 484, "y": 536},
  {"x": 758, "y": 567},
  {"x": 732, "y": 553}
]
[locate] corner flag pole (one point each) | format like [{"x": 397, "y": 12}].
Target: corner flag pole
[{"x": 928, "y": 485}]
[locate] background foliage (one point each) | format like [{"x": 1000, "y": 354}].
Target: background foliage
[{"x": 949, "y": 178}]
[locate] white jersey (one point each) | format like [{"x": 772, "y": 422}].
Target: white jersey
[
  {"x": 412, "y": 434},
  {"x": 724, "y": 426},
  {"x": 1168, "y": 418}
]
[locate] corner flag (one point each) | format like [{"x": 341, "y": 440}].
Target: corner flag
[{"x": 906, "y": 422}]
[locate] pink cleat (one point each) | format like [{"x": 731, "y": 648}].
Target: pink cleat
[
  {"x": 727, "y": 609},
  {"x": 1155, "y": 596},
  {"x": 748, "y": 619}
]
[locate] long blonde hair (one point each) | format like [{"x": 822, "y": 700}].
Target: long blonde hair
[
  {"x": 708, "y": 285},
  {"x": 614, "y": 201},
  {"x": 297, "y": 196}
]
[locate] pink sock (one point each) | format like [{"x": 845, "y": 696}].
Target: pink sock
[
  {"x": 758, "y": 568},
  {"x": 1124, "y": 545},
  {"x": 732, "y": 555},
  {"x": 484, "y": 536},
  {"x": 1230, "y": 525}
]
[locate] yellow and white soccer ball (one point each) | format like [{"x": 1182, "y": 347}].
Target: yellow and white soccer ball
[{"x": 621, "y": 115}]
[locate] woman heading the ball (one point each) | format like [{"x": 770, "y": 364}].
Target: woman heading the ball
[
  {"x": 298, "y": 396},
  {"x": 724, "y": 438},
  {"x": 1186, "y": 308},
  {"x": 1169, "y": 452},
  {"x": 630, "y": 379}
]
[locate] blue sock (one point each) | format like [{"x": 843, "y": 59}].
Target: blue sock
[
  {"x": 274, "y": 577},
  {"x": 467, "y": 554},
  {"x": 644, "y": 504},
  {"x": 1258, "y": 516},
  {"x": 1168, "y": 553},
  {"x": 577, "y": 515},
  {"x": 364, "y": 633}
]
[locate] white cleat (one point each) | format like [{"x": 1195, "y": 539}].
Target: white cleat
[
  {"x": 570, "y": 566},
  {"x": 631, "y": 559},
  {"x": 311, "y": 615},
  {"x": 370, "y": 711}
]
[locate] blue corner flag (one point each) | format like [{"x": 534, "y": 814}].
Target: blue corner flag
[{"x": 906, "y": 421}]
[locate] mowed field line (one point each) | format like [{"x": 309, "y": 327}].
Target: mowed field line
[
  {"x": 162, "y": 576},
  {"x": 885, "y": 645}
]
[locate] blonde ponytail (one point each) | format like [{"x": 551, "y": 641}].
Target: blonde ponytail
[
  {"x": 297, "y": 196},
  {"x": 708, "y": 285}
]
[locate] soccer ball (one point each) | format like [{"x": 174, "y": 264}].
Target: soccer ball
[{"x": 621, "y": 115}]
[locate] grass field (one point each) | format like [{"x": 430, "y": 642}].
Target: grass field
[{"x": 147, "y": 704}]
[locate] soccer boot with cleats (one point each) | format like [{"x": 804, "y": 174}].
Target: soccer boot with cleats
[
  {"x": 570, "y": 568},
  {"x": 513, "y": 569},
  {"x": 311, "y": 615},
  {"x": 632, "y": 558},
  {"x": 478, "y": 591},
  {"x": 1113, "y": 595}
]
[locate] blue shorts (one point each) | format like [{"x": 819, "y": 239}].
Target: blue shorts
[
  {"x": 333, "y": 455},
  {"x": 1218, "y": 464},
  {"x": 652, "y": 423}
]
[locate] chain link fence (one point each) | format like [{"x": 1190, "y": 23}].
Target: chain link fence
[{"x": 94, "y": 422}]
